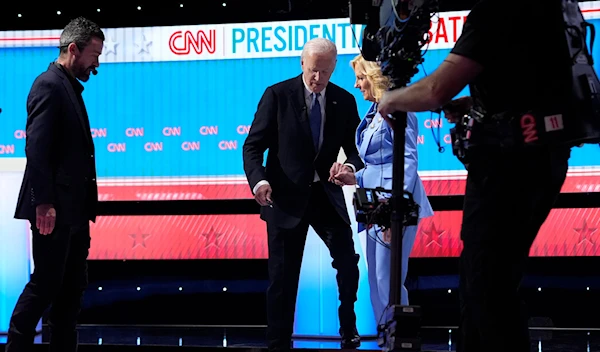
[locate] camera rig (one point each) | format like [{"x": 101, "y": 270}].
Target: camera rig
[
  {"x": 575, "y": 124},
  {"x": 395, "y": 33},
  {"x": 373, "y": 207}
]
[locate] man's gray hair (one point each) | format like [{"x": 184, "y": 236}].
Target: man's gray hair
[
  {"x": 319, "y": 46},
  {"x": 79, "y": 31}
]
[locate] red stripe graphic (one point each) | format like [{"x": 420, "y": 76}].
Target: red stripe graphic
[{"x": 567, "y": 232}]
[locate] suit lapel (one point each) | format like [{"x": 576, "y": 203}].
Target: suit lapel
[
  {"x": 299, "y": 106},
  {"x": 360, "y": 137},
  {"x": 359, "y": 131},
  {"x": 362, "y": 130},
  {"x": 330, "y": 116},
  {"x": 373, "y": 127},
  {"x": 73, "y": 97}
]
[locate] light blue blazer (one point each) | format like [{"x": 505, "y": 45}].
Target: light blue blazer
[{"x": 375, "y": 142}]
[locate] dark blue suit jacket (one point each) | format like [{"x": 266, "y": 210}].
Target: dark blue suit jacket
[
  {"x": 60, "y": 151},
  {"x": 281, "y": 125}
]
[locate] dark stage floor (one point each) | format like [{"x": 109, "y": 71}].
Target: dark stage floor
[{"x": 125, "y": 338}]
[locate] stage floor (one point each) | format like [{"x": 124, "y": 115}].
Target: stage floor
[{"x": 138, "y": 338}]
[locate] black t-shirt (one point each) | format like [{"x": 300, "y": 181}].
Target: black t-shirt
[{"x": 522, "y": 47}]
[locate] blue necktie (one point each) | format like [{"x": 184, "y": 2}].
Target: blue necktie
[{"x": 315, "y": 120}]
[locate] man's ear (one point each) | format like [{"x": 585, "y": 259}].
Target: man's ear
[{"x": 73, "y": 49}]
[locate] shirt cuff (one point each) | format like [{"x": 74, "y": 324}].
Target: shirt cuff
[
  {"x": 351, "y": 166},
  {"x": 257, "y": 186}
]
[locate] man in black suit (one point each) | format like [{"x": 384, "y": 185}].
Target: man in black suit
[
  {"x": 303, "y": 122},
  {"x": 59, "y": 192}
]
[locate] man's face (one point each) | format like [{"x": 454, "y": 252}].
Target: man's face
[
  {"x": 317, "y": 69},
  {"x": 87, "y": 59}
]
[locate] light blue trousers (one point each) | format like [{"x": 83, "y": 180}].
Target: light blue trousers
[{"x": 379, "y": 261}]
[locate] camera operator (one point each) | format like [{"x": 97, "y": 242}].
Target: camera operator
[{"x": 514, "y": 58}]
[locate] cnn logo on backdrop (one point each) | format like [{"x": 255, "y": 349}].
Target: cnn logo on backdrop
[
  {"x": 134, "y": 132},
  {"x": 209, "y": 130},
  {"x": 228, "y": 145},
  {"x": 116, "y": 147},
  {"x": 188, "y": 146},
  {"x": 151, "y": 147},
  {"x": 183, "y": 42},
  {"x": 171, "y": 131},
  {"x": 243, "y": 129},
  {"x": 20, "y": 134},
  {"x": 7, "y": 149},
  {"x": 99, "y": 133}
]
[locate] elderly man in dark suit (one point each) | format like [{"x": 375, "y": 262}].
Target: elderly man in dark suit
[
  {"x": 59, "y": 192},
  {"x": 303, "y": 122}
]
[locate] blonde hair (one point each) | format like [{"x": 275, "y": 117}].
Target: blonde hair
[{"x": 372, "y": 71}]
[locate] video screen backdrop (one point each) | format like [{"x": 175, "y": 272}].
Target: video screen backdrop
[{"x": 171, "y": 106}]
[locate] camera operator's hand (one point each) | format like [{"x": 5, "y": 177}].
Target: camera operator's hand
[
  {"x": 387, "y": 236},
  {"x": 386, "y": 107},
  {"x": 344, "y": 178},
  {"x": 457, "y": 108},
  {"x": 263, "y": 195}
]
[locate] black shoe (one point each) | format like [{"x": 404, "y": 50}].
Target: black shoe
[
  {"x": 63, "y": 341},
  {"x": 350, "y": 338}
]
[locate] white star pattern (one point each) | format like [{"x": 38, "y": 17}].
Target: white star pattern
[
  {"x": 110, "y": 46},
  {"x": 144, "y": 45}
]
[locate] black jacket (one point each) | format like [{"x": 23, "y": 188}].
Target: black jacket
[{"x": 60, "y": 153}]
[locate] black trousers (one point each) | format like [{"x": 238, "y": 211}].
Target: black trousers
[
  {"x": 286, "y": 248},
  {"x": 508, "y": 196},
  {"x": 58, "y": 281}
]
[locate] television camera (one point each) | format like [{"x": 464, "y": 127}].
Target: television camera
[
  {"x": 578, "y": 123},
  {"x": 395, "y": 33}
]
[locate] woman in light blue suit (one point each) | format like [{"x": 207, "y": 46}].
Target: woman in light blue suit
[{"x": 374, "y": 139}]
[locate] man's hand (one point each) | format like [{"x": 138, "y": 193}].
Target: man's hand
[
  {"x": 336, "y": 168},
  {"x": 344, "y": 178},
  {"x": 386, "y": 108},
  {"x": 457, "y": 108},
  {"x": 263, "y": 195},
  {"x": 386, "y": 105},
  {"x": 45, "y": 218}
]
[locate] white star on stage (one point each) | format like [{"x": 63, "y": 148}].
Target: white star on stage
[
  {"x": 110, "y": 46},
  {"x": 144, "y": 45}
]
